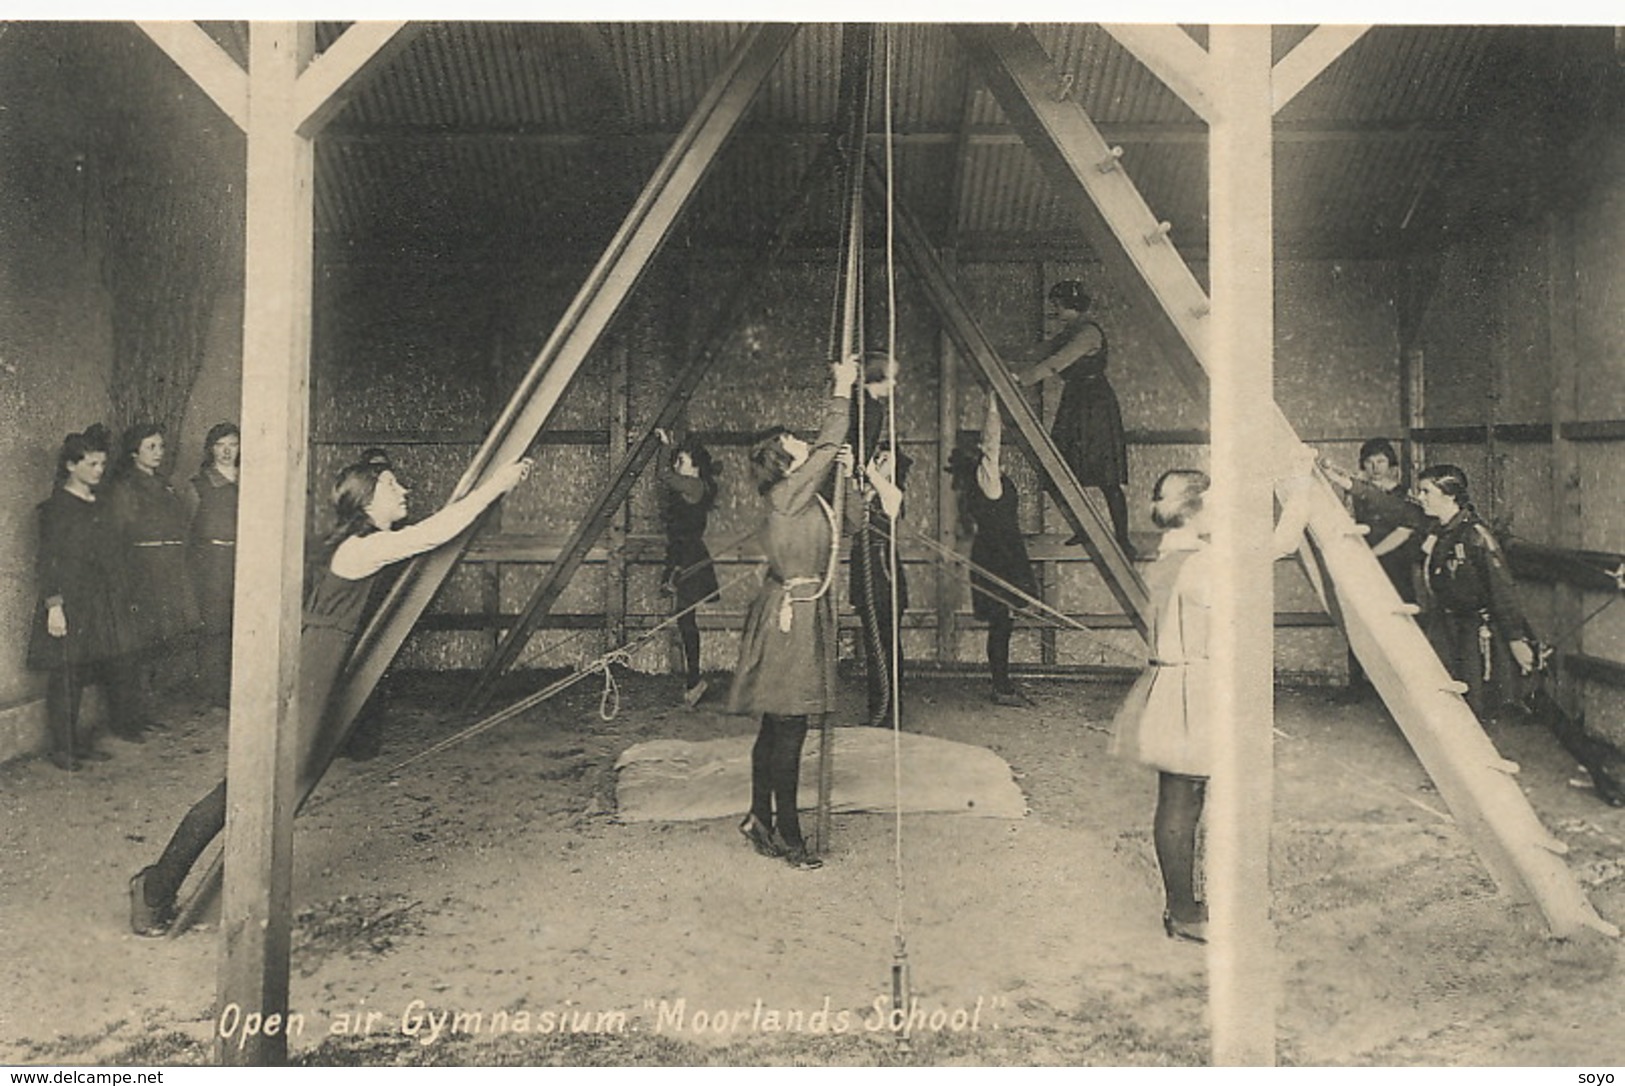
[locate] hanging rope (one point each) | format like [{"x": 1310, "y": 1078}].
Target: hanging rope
[{"x": 899, "y": 968}]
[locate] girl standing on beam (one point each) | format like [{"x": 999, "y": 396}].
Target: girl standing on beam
[
  {"x": 787, "y": 649},
  {"x": 368, "y": 501},
  {"x": 1088, "y": 431}
]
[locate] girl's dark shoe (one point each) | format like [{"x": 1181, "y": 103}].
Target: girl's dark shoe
[
  {"x": 63, "y": 761},
  {"x": 799, "y": 858},
  {"x": 1191, "y": 931},
  {"x": 94, "y": 755},
  {"x": 760, "y": 837}
]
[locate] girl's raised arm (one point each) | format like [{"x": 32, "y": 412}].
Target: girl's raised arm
[{"x": 362, "y": 556}]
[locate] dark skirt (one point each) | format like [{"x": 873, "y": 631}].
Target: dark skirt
[
  {"x": 689, "y": 572},
  {"x": 1089, "y": 434},
  {"x": 1005, "y": 558},
  {"x": 161, "y": 585},
  {"x": 214, "y": 567}
]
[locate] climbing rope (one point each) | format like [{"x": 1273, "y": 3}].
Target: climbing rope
[{"x": 899, "y": 969}]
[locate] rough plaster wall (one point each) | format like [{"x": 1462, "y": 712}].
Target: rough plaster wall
[
  {"x": 55, "y": 331},
  {"x": 1336, "y": 347},
  {"x": 1458, "y": 339}
]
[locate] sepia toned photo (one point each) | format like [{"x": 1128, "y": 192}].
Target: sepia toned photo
[{"x": 711, "y": 543}]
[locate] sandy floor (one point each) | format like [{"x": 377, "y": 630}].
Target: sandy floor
[{"x": 494, "y": 878}]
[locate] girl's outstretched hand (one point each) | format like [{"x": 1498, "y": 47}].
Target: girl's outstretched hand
[{"x": 511, "y": 475}]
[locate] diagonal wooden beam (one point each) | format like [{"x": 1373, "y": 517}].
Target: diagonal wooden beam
[
  {"x": 1120, "y": 228},
  {"x": 332, "y": 78},
  {"x": 1080, "y": 507},
  {"x": 1492, "y": 811},
  {"x": 1313, "y": 55},
  {"x": 628, "y": 255},
  {"x": 208, "y": 65},
  {"x": 1173, "y": 57},
  {"x": 637, "y": 457}
]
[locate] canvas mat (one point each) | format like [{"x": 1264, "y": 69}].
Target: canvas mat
[{"x": 671, "y": 780}]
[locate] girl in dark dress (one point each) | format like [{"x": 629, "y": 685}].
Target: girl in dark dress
[
  {"x": 368, "y": 502},
  {"x": 1472, "y": 603},
  {"x": 1088, "y": 430},
  {"x": 688, "y": 492},
  {"x": 872, "y": 514},
  {"x": 81, "y": 630},
  {"x": 787, "y": 649},
  {"x": 214, "y": 556},
  {"x": 990, "y": 506},
  {"x": 152, "y": 522}
]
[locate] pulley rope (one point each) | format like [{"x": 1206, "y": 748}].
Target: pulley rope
[{"x": 899, "y": 934}]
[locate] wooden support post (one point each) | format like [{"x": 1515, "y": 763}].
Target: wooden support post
[
  {"x": 948, "y": 575},
  {"x": 265, "y": 711},
  {"x": 1049, "y": 573},
  {"x": 1242, "y": 990},
  {"x": 1566, "y": 492},
  {"x": 1173, "y": 57},
  {"x": 1311, "y": 56},
  {"x": 205, "y": 63},
  {"x": 615, "y": 566}
]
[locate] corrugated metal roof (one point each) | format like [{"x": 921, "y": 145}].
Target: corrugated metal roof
[{"x": 558, "y": 125}]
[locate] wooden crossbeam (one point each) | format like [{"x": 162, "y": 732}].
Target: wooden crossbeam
[
  {"x": 332, "y": 79},
  {"x": 208, "y": 65},
  {"x": 626, "y": 473},
  {"x": 1080, "y": 507},
  {"x": 1173, "y": 57},
  {"x": 1493, "y": 813},
  {"x": 1311, "y": 56}
]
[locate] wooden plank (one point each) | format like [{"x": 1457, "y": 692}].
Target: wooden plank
[
  {"x": 1242, "y": 991},
  {"x": 332, "y": 79},
  {"x": 1081, "y": 507},
  {"x": 1173, "y": 57},
  {"x": 264, "y": 742},
  {"x": 1566, "y": 489},
  {"x": 1495, "y": 816},
  {"x": 208, "y": 65},
  {"x": 948, "y": 578},
  {"x": 1592, "y": 430},
  {"x": 1311, "y": 56}
]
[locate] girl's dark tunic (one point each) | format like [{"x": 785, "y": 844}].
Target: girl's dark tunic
[
  {"x": 81, "y": 564},
  {"x": 332, "y": 621},
  {"x": 214, "y": 548},
  {"x": 871, "y": 551},
  {"x": 685, "y": 505},
  {"x": 1088, "y": 429},
  {"x": 1000, "y": 549},
  {"x": 792, "y": 672},
  {"x": 152, "y": 522}
]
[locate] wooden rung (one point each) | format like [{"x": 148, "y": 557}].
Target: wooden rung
[
  {"x": 1408, "y": 609},
  {"x": 1507, "y": 766},
  {"x": 1361, "y": 530},
  {"x": 1554, "y": 846},
  {"x": 1454, "y": 686}
]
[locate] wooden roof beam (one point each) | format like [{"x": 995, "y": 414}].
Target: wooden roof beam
[
  {"x": 1313, "y": 55},
  {"x": 208, "y": 65},
  {"x": 1173, "y": 57},
  {"x": 327, "y": 85}
]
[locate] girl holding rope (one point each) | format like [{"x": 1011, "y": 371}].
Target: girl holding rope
[
  {"x": 688, "y": 492},
  {"x": 368, "y": 501},
  {"x": 989, "y": 505},
  {"x": 788, "y": 647}
]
